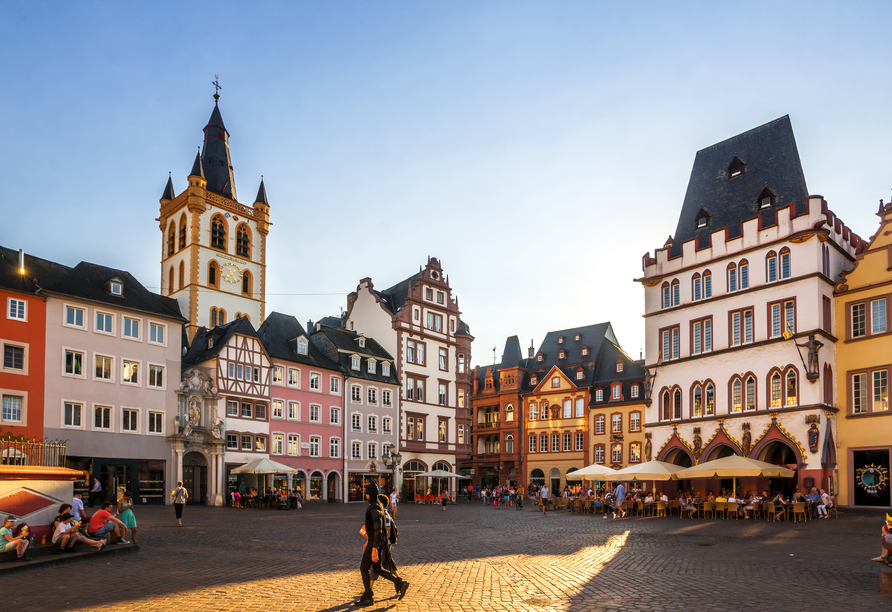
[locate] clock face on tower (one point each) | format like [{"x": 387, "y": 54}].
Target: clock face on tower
[{"x": 230, "y": 273}]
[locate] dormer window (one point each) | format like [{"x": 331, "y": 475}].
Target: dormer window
[
  {"x": 534, "y": 379},
  {"x": 539, "y": 358},
  {"x": 560, "y": 339},
  {"x": 585, "y": 351},
  {"x": 702, "y": 219},
  {"x": 619, "y": 367},
  {"x": 301, "y": 346},
  {"x": 361, "y": 342},
  {"x": 354, "y": 362},
  {"x": 562, "y": 354},
  {"x": 210, "y": 343},
  {"x": 736, "y": 168},
  {"x": 385, "y": 369},
  {"x": 766, "y": 198},
  {"x": 371, "y": 366},
  {"x": 579, "y": 374},
  {"x": 577, "y": 337},
  {"x": 116, "y": 286}
]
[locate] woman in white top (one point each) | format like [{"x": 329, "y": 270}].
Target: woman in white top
[
  {"x": 394, "y": 498},
  {"x": 826, "y": 502}
]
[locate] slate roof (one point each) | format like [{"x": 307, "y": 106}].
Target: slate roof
[
  {"x": 341, "y": 344},
  {"x": 279, "y": 334},
  {"x": 395, "y": 297},
  {"x": 215, "y": 156},
  {"x": 199, "y": 351},
  {"x": 261, "y": 194},
  {"x": 592, "y": 336},
  {"x": 771, "y": 160},
  {"x": 169, "y": 193},
  {"x": 331, "y": 321},
  {"x": 512, "y": 356},
  {"x": 40, "y": 270}
]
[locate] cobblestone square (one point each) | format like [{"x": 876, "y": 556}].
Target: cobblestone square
[{"x": 472, "y": 557}]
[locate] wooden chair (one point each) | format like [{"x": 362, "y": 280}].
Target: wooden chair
[
  {"x": 833, "y": 509},
  {"x": 661, "y": 508},
  {"x": 708, "y": 508},
  {"x": 674, "y": 506},
  {"x": 732, "y": 509},
  {"x": 799, "y": 509},
  {"x": 770, "y": 511},
  {"x": 639, "y": 508},
  {"x": 721, "y": 508}
]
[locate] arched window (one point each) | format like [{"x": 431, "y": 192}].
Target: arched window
[
  {"x": 732, "y": 278},
  {"x": 182, "y": 274},
  {"x": 171, "y": 239},
  {"x": 213, "y": 317},
  {"x": 221, "y": 317},
  {"x": 743, "y": 274},
  {"x": 749, "y": 402},
  {"x": 665, "y": 405},
  {"x": 771, "y": 267},
  {"x": 828, "y": 384},
  {"x": 665, "y": 295},
  {"x": 170, "y": 281},
  {"x": 785, "y": 265},
  {"x": 509, "y": 443},
  {"x": 697, "y": 401},
  {"x": 696, "y": 287},
  {"x": 709, "y": 408},
  {"x": 676, "y": 404},
  {"x": 707, "y": 284},
  {"x": 736, "y": 395},
  {"x": 213, "y": 274},
  {"x": 676, "y": 292},
  {"x": 791, "y": 389},
  {"x": 183, "y": 232},
  {"x": 775, "y": 388},
  {"x": 246, "y": 283},
  {"x": 218, "y": 232},
  {"x": 243, "y": 241}
]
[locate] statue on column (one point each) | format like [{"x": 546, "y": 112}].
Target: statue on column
[{"x": 813, "y": 345}]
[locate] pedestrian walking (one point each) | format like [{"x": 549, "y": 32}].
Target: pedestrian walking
[
  {"x": 543, "y": 498},
  {"x": 95, "y": 492},
  {"x": 180, "y": 497},
  {"x": 125, "y": 513},
  {"x": 444, "y": 496},
  {"x": 394, "y": 500},
  {"x": 375, "y": 550}
]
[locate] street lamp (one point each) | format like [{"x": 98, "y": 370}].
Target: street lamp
[{"x": 391, "y": 460}]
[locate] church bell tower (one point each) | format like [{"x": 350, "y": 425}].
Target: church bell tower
[{"x": 213, "y": 259}]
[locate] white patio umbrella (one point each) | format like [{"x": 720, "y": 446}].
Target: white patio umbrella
[
  {"x": 595, "y": 471},
  {"x": 735, "y": 466},
  {"x": 264, "y": 466},
  {"x": 438, "y": 474}
]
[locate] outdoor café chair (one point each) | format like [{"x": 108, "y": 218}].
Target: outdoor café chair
[
  {"x": 708, "y": 507},
  {"x": 720, "y": 508},
  {"x": 661, "y": 508},
  {"x": 832, "y": 509},
  {"x": 673, "y": 506},
  {"x": 732, "y": 509},
  {"x": 799, "y": 509},
  {"x": 770, "y": 510},
  {"x": 639, "y": 508}
]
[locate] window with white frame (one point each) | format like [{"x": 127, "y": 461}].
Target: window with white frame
[
  {"x": 334, "y": 448},
  {"x": 635, "y": 421},
  {"x": 532, "y": 445},
  {"x": 599, "y": 423},
  {"x": 568, "y": 442},
  {"x": 356, "y": 450},
  {"x": 74, "y": 316},
  {"x": 373, "y": 424},
  {"x": 156, "y": 333},
  {"x": 386, "y": 425},
  {"x": 669, "y": 344},
  {"x": 315, "y": 409},
  {"x": 278, "y": 409},
  {"x": 741, "y": 331},
  {"x": 371, "y": 366},
  {"x": 104, "y": 368},
  {"x": 74, "y": 362},
  {"x": 102, "y": 418},
  {"x": 356, "y": 422},
  {"x": 315, "y": 379},
  {"x": 442, "y": 394},
  {"x": 231, "y": 442},
  {"x": 293, "y": 377},
  {"x": 555, "y": 443},
  {"x": 634, "y": 390},
  {"x": 293, "y": 445},
  {"x": 599, "y": 395},
  {"x": 335, "y": 384},
  {"x": 131, "y": 328},
  {"x": 156, "y": 377},
  {"x": 580, "y": 441},
  {"x": 130, "y": 420},
  {"x": 247, "y": 443},
  {"x": 616, "y": 423},
  {"x": 105, "y": 323},
  {"x": 599, "y": 453},
  {"x": 617, "y": 391},
  {"x": 156, "y": 422},
  {"x": 543, "y": 443},
  {"x": 580, "y": 407},
  {"x": 385, "y": 398},
  {"x": 278, "y": 375},
  {"x": 556, "y": 381},
  {"x": 16, "y": 309},
  {"x": 130, "y": 372},
  {"x": 278, "y": 447},
  {"x": 334, "y": 416},
  {"x": 373, "y": 451},
  {"x": 373, "y": 396},
  {"x": 301, "y": 346},
  {"x": 354, "y": 362},
  {"x": 260, "y": 444},
  {"x": 701, "y": 335},
  {"x": 385, "y": 369},
  {"x": 293, "y": 411},
  {"x": 231, "y": 408},
  {"x": 13, "y": 409},
  {"x": 568, "y": 409},
  {"x": 72, "y": 414},
  {"x": 355, "y": 394},
  {"x": 616, "y": 453},
  {"x": 247, "y": 410}
]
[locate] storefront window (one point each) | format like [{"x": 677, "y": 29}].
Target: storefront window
[
  {"x": 358, "y": 483},
  {"x": 151, "y": 480}
]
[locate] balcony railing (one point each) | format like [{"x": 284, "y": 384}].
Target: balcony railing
[
  {"x": 18, "y": 450},
  {"x": 490, "y": 425}
]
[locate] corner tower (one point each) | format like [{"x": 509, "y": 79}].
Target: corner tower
[{"x": 213, "y": 257}]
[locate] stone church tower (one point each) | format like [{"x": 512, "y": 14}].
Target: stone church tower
[{"x": 213, "y": 259}]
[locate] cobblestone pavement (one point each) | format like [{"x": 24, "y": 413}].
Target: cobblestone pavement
[{"x": 473, "y": 557}]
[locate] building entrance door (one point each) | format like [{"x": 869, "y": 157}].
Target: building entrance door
[
  {"x": 195, "y": 477},
  {"x": 115, "y": 479}
]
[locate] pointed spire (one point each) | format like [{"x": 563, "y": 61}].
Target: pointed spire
[
  {"x": 168, "y": 189},
  {"x": 197, "y": 166},
  {"x": 261, "y": 193},
  {"x": 215, "y": 158}
]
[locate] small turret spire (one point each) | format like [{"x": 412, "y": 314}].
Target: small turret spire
[
  {"x": 168, "y": 189},
  {"x": 261, "y": 193},
  {"x": 197, "y": 166}
]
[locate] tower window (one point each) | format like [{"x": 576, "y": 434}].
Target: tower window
[
  {"x": 183, "y": 232},
  {"x": 736, "y": 167},
  {"x": 171, "y": 240},
  {"x": 218, "y": 233},
  {"x": 246, "y": 283},
  {"x": 212, "y": 274},
  {"x": 243, "y": 242}
]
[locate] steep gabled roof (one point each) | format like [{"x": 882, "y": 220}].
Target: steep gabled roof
[
  {"x": 38, "y": 272},
  {"x": 90, "y": 282},
  {"x": 215, "y": 159},
  {"x": 340, "y": 345},
  {"x": 512, "y": 356},
  {"x": 395, "y": 297},
  {"x": 279, "y": 334},
  {"x": 591, "y": 336},
  {"x": 769, "y": 159},
  {"x": 199, "y": 351}
]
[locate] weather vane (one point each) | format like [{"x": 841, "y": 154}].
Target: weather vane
[{"x": 216, "y": 84}]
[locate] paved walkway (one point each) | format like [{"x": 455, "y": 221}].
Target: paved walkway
[{"x": 473, "y": 557}]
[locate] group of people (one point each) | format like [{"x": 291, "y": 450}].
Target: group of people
[
  {"x": 504, "y": 495},
  {"x": 283, "y": 497},
  {"x": 102, "y": 528}
]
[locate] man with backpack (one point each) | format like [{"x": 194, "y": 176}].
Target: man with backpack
[{"x": 376, "y": 552}]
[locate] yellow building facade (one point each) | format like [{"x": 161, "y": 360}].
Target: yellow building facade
[{"x": 864, "y": 367}]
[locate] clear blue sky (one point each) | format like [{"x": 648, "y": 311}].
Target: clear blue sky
[{"x": 538, "y": 149}]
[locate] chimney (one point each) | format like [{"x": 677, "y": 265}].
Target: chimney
[
  {"x": 309, "y": 326},
  {"x": 530, "y": 350}
]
